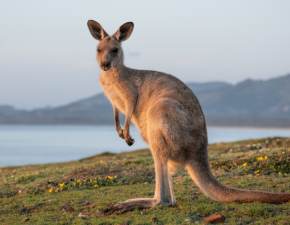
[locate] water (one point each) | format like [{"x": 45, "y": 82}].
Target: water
[{"x": 21, "y": 145}]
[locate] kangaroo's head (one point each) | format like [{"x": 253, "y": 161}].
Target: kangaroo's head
[{"x": 109, "y": 50}]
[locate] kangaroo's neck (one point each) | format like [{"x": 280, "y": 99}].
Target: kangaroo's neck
[{"x": 119, "y": 86}]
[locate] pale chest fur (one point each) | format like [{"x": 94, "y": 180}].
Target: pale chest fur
[{"x": 109, "y": 86}]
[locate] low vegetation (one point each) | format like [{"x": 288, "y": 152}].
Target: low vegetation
[{"x": 75, "y": 192}]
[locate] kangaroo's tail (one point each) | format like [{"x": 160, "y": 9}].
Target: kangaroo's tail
[{"x": 203, "y": 178}]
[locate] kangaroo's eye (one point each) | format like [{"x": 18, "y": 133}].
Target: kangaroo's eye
[
  {"x": 99, "y": 50},
  {"x": 115, "y": 50}
]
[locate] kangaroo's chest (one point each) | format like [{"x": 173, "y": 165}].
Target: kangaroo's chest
[{"x": 111, "y": 92}]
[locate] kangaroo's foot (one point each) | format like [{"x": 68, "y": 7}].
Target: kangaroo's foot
[{"x": 131, "y": 204}]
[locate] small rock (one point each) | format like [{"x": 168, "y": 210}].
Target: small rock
[
  {"x": 214, "y": 218},
  {"x": 83, "y": 215}
]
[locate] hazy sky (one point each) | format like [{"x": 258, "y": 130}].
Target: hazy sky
[{"x": 47, "y": 56}]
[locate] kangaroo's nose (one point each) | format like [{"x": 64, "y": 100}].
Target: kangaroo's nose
[{"x": 106, "y": 66}]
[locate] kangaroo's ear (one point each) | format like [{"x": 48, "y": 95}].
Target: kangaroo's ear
[
  {"x": 124, "y": 32},
  {"x": 96, "y": 30}
]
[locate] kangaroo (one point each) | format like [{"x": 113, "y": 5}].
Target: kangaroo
[{"x": 169, "y": 118}]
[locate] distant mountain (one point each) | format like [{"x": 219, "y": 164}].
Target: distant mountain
[{"x": 248, "y": 103}]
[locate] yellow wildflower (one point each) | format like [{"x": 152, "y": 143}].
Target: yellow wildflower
[
  {"x": 61, "y": 185},
  {"x": 110, "y": 177},
  {"x": 50, "y": 190},
  {"x": 244, "y": 164},
  {"x": 262, "y": 158}
]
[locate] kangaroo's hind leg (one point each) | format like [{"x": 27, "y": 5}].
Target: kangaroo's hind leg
[
  {"x": 163, "y": 184},
  {"x": 164, "y": 194}
]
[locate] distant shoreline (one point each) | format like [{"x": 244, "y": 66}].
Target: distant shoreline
[{"x": 30, "y": 144}]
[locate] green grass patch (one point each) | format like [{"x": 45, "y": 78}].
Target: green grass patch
[{"x": 74, "y": 192}]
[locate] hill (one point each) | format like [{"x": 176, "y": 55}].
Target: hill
[
  {"x": 74, "y": 192},
  {"x": 247, "y": 103}
]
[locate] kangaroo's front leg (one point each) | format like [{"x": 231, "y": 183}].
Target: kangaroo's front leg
[
  {"x": 130, "y": 107},
  {"x": 123, "y": 133},
  {"x": 129, "y": 98},
  {"x": 117, "y": 123}
]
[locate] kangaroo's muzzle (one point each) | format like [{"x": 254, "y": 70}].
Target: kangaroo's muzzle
[{"x": 106, "y": 66}]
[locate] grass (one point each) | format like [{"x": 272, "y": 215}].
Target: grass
[{"x": 73, "y": 192}]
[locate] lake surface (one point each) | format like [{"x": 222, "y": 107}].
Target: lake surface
[{"x": 21, "y": 145}]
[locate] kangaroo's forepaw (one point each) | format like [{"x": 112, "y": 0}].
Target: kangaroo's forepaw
[
  {"x": 129, "y": 205},
  {"x": 130, "y": 141}
]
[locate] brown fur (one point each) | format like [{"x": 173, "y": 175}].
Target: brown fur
[{"x": 169, "y": 118}]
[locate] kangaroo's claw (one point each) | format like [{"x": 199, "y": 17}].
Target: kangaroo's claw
[{"x": 130, "y": 141}]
